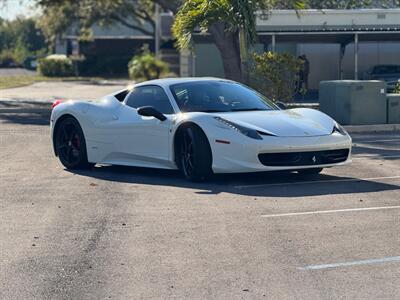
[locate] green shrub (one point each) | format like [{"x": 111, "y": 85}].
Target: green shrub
[
  {"x": 56, "y": 66},
  {"x": 7, "y": 58},
  {"x": 20, "y": 53},
  {"x": 276, "y": 75},
  {"x": 397, "y": 88},
  {"x": 146, "y": 66}
]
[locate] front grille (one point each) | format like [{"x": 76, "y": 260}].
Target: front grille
[{"x": 303, "y": 158}]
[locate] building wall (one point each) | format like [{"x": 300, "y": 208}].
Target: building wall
[
  {"x": 370, "y": 54},
  {"x": 324, "y": 59},
  {"x": 208, "y": 60},
  {"x": 324, "y": 62}
]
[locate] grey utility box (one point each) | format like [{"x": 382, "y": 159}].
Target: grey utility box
[
  {"x": 354, "y": 102},
  {"x": 393, "y": 108}
]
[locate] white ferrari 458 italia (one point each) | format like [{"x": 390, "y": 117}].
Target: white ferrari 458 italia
[{"x": 198, "y": 125}]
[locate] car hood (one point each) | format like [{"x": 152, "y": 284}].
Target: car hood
[
  {"x": 386, "y": 77},
  {"x": 299, "y": 122}
]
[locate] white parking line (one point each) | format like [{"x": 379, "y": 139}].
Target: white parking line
[
  {"x": 377, "y": 141},
  {"x": 314, "y": 182},
  {"x": 330, "y": 211},
  {"x": 356, "y": 156},
  {"x": 372, "y": 147},
  {"x": 352, "y": 263}
]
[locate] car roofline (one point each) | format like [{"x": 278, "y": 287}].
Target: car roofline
[{"x": 166, "y": 82}]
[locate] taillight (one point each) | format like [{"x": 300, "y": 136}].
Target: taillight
[{"x": 55, "y": 103}]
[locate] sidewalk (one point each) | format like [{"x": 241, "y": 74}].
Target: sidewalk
[{"x": 373, "y": 128}]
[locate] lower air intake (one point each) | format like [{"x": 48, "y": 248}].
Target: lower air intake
[{"x": 303, "y": 158}]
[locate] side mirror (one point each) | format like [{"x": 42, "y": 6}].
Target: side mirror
[
  {"x": 150, "y": 111},
  {"x": 281, "y": 105}
]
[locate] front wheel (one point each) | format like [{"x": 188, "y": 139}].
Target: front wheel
[
  {"x": 194, "y": 154},
  {"x": 312, "y": 171},
  {"x": 71, "y": 145}
]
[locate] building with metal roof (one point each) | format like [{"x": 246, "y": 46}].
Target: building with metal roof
[{"x": 340, "y": 44}]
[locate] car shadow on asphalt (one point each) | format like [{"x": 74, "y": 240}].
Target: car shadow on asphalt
[
  {"x": 36, "y": 115},
  {"x": 265, "y": 184}
]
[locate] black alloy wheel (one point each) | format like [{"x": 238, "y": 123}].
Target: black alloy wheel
[
  {"x": 71, "y": 145},
  {"x": 188, "y": 155},
  {"x": 195, "y": 157}
]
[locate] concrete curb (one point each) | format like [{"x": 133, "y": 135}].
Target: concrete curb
[{"x": 373, "y": 128}]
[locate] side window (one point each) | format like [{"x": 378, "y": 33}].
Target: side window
[
  {"x": 121, "y": 95},
  {"x": 151, "y": 95}
]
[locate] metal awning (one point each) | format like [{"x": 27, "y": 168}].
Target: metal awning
[
  {"x": 330, "y": 26},
  {"x": 334, "y": 37}
]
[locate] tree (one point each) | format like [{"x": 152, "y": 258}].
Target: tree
[
  {"x": 227, "y": 21},
  {"x": 19, "y": 39},
  {"x": 231, "y": 23},
  {"x": 59, "y": 15}
]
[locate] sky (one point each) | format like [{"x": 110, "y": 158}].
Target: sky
[{"x": 14, "y": 8}]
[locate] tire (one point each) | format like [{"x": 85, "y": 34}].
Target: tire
[
  {"x": 194, "y": 156},
  {"x": 71, "y": 145},
  {"x": 313, "y": 171}
]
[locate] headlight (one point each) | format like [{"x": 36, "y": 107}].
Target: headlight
[
  {"x": 339, "y": 129},
  {"x": 251, "y": 133}
]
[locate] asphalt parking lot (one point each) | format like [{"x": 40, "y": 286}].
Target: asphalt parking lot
[{"x": 134, "y": 233}]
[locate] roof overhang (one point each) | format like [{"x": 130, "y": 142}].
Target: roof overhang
[
  {"x": 334, "y": 37},
  {"x": 331, "y": 20},
  {"x": 113, "y": 37}
]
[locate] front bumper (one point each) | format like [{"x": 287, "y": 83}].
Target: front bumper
[{"x": 242, "y": 155}]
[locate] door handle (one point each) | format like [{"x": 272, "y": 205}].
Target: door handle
[{"x": 115, "y": 117}]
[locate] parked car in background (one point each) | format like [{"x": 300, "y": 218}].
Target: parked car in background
[{"x": 387, "y": 73}]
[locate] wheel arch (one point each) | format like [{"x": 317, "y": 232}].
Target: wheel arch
[
  {"x": 57, "y": 125},
  {"x": 177, "y": 138}
]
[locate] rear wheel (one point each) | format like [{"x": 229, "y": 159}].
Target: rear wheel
[
  {"x": 310, "y": 171},
  {"x": 70, "y": 145},
  {"x": 194, "y": 154}
]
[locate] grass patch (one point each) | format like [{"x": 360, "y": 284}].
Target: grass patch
[{"x": 8, "y": 82}]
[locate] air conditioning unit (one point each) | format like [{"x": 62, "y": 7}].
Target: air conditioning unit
[
  {"x": 393, "y": 108},
  {"x": 354, "y": 102}
]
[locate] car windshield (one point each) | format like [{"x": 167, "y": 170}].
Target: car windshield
[{"x": 218, "y": 96}]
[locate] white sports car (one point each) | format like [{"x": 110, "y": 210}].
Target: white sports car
[{"x": 198, "y": 125}]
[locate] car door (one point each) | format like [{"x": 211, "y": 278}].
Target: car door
[{"x": 145, "y": 141}]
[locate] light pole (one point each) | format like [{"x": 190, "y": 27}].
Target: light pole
[{"x": 157, "y": 30}]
